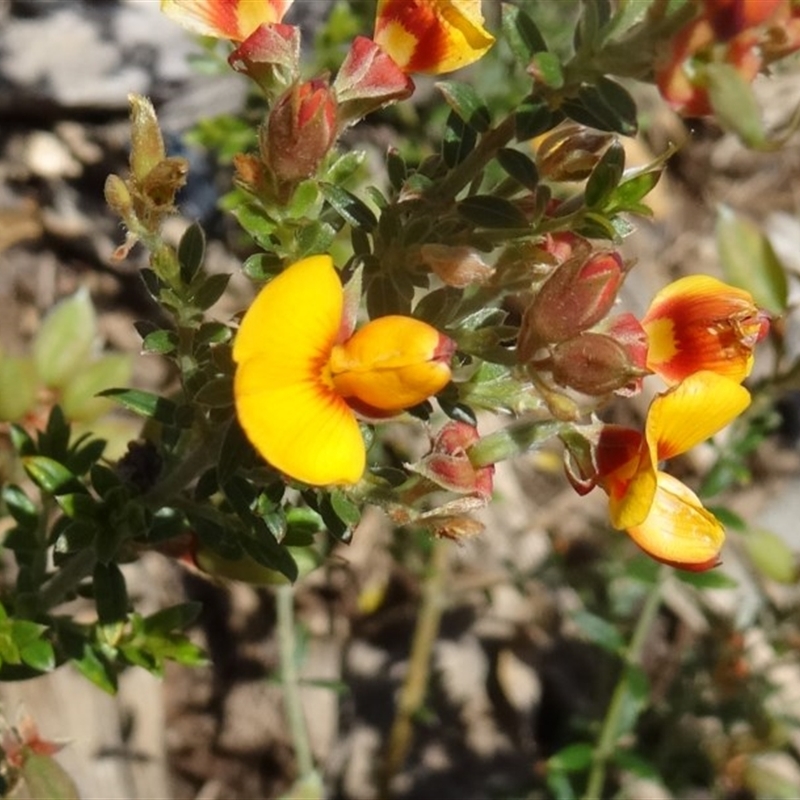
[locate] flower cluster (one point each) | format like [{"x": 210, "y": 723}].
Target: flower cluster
[
  {"x": 701, "y": 334},
  {"x": 308, "y": 381},
  {"x": 744, "y": 36}
]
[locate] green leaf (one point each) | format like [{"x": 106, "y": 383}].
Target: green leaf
[
  {"x": 161, "y": 342},
  {"x": 749, "y": 261},
  {"x": 521, "y": 33},
  {"x": 467, "y": 103},
  {"x": 261, "y": 266},
  {"x": 65, "y": 340},
  {"x": 77, "y": 505},
  {"x": 80, "y": 395},
  {"x": 572, "y": 758},
  {"x": 39, "y": 655},
  {"x": 458, "y": 141},
  {"x": 209, "y": 290},
  {"x": 519, "y": 166},
  {"x": 191, "y": 251},
  {"x": 628, "y": 194},
  {"x": 734, "y": 103},
  {"x": 534, "y": 117},
  {"x": 352, "y": 210},
  {"x": 605, "y": 105},
  {"x": 145, "y": 404},
  {"x": 217, "y": 393},
  {"x": 347, "y": 511},
  {"x": 50, "y": 475},
  {"x": 20, "y": 506},
  {"x": 91, "y": 666},
  {"x": 605, "y": 176},
  {"x": 19, "y": 385},
  {"x": 546, "y": 67},
  {"x": 110, "y": 593},
  {"x": 713, "y": 579},
  {"x": 175, "y": 618},
  {"x": 396, "y": 167},
  {"x": 45, "y": 777},
  {"x": 266, "y": 550},
  {"x": 488, "y": 211},
  {"x": 599, "y": 631},
  {"x": 771, "y": 555}
]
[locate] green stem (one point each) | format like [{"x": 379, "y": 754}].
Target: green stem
[
  {"x": 412, "y": 695},
  {"x": 462, "y": 175},
  {"x": 290, "y": 681},
  {"x": 609, "y": 733}
]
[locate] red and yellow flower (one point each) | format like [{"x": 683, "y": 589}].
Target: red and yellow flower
[
  {"x": 301, "y": 375},
  {"x": 660, "y": 514},
  {"x": 432, "y": 36},
  {"x": 700, "y": 323},
  {"x": 225, "y": 19}
]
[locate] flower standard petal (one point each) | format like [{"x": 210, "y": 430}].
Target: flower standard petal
[
  {"x": 225, "y": 19},
  {"x": 392, "y": 363},
  {"x": 699, "y": 323},
  {"x": 432, "y": 36},
  {"x": 285, "y": 400},
  {"x": 691, "y": 412},
  {"x": 678, "y": 530}
]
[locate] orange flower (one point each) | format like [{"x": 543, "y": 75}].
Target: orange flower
[
  {"x": 225, "y": 19},
  {"x": 297, "y": 385},
  {"x": 700, "y": 323},
  {"x": 432, "y": 36},
  {"x": 661, "y": 514}
]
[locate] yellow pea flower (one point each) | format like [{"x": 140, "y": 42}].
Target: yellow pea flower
[
  {"x": 700, "y": 323},
  {"x": 297, "y": 385},
  {"x": 432, "y": 36},
  {"x": 225, "y": 19},
  {"x": 662, "y": 515}
]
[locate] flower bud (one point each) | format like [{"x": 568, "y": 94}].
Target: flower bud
[
  {"x": 576, "y": 296},
  {"x": 592, "y": 363},
  {"x": 270, "y": 56},
  {"x": 300, "y": 130},
  {"x": 368, "y": 80},
  {"x": 570, "y": 152},
  {"x": 448, "y": 465},
  {"x": 456, "y": 266}
]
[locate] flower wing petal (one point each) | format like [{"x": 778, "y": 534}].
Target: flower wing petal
[{"x": 691, "y": 412}]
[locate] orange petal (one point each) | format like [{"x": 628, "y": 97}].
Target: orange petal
[
  {"x": 678, "y": 530},
  {"x": 284, "y": 397},
  {"x": 699, "y": 323},
  {"x": 391, "y": 363},
  {"x": 432, "y": 36},
  {"x": 225, "y": 19},
  {"x": 691, "y": 412}
]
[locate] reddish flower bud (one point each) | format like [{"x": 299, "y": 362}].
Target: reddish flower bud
[
  {"x": 629, "y": 332},
  {"x": 593, "y": 364},
  {"x": 368, "y": 80},
  {"x": 448, "y": 465},
  {"x": 300, "y": 130},
  {"x": 270, "y": 56},
  {"x": 576, "y": 296}
]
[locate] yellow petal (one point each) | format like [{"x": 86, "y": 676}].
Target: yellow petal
[
  {"x": 678, "y": 530},
  {"x": 631, "y": 506},
  {"x": 225, "y": 19},
  {"x": 691, "y": 412},
  {"x": 700, "y": 323},
  {"x": 391, "y": 363},
  {"x": 285, "y": 401},
  {"x": 432, "y": 36}
]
